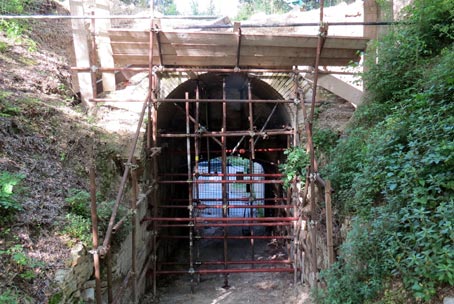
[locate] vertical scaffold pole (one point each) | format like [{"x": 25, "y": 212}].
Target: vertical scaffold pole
[
  {"x": 94, "y": 225},
  {"x": 313, "y": 222},
  {"x": 133, "y": 207},
  {"x": 295, "y": 193},
  {"x": 329, "y": 223},
  {"x": 196, "y": 162},
  {"x": 251, "y": 165},
  {"x": 224, "y": 178},
  {"x": 190, "y": 198}
]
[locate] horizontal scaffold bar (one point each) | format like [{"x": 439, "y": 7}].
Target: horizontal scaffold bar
[
  {"x": 172, "y": 100},
  {"x": 219, "y": 219},
  {"x": 228, "y": 175},
  {"x": 240, "y": 151},
  {"x": 220, "y": 181},
  {"x": 230, "y": 133},
  {"x": 202, "y": 206},
  {"x": 272, "y": 224},
  {"x": 230, "y": 237},
  {"x": 222, "y": 271},
  {"x": 243, "y": 262},
  {"x": 218, "y": 199}
]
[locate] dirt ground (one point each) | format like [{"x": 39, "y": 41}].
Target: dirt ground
[{"x": 253, "y": 288}]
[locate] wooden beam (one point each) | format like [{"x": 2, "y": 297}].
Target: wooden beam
[
  {"x": 230, "y": 61},
  {"x": 237, "y": 30},
  {"x": 82, "y": 51},
  {"x": 104, "y": 46}
]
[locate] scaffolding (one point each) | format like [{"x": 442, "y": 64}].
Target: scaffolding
[{"x": 226, "y": 208}]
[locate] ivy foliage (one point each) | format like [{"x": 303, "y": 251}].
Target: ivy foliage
[{"x": 394, "y": 172}]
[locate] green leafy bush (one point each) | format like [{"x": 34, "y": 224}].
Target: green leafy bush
[
  {"x": 78, "y": 220},
  {"x": 78, "y": 227},
  {"x": 394, "y": 173},
  {"x": 8, "y": 204},
  {"x": 79, "y": 202},
  {"x": 295, "y": 164}
]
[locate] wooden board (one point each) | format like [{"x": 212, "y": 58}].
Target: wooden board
[{"x": 219, "y": 49}]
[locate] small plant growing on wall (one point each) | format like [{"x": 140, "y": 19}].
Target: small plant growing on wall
[{"x": 295, "y": 165}]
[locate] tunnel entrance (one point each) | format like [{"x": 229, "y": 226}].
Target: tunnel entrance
[{"x": 223, "y": 137}]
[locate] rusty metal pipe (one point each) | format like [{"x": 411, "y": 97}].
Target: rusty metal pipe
[
  {"x": 230, "y": 237},
  {"x": 218, "y": 219},
  {"x": 94, "y": 229},
  {"x": 228, "y": 224},
  {"x": 228, "y": 175},
  {"x": 106, "y": 243},
  {"x": 227, "y": 271},
  {"x": 206, "y": 181},
  {"x": 267, "y": 133}
]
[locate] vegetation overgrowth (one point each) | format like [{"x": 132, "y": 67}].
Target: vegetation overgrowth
[{"x": 394, "y": 171}]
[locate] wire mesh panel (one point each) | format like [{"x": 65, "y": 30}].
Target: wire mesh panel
[{"x": 208, "y": 188}]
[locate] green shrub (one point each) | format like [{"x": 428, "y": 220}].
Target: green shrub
[
  {"x": 79, "y": 217},
  {"x": 295, "y": 165},
  {"x": 79, "y": 202},
  {"x": 394, "y": 172},
  {"x": 78, "y": 227},
  {"x": 8, "y": 203}
]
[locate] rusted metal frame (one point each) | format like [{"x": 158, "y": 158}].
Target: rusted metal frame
[
  {"x": 329, "y": 223},
  {"x": 272, "y": 224},
  {"x": 208, "y": 70},
  {"x": 226, "y": 181},
  {"x": 272, "y": 132},
  {"x": 94, "y": 229},
  {"x": 133, "y": 206},
  {"x": 227, "y": 271},
  {"x": 225, "y": 201},
  {"x": 93, "y": 56},
  {"x": 218, "y": 219},
  {"x": 194, "y": 121},
  {"x": 190, "y": 189}
]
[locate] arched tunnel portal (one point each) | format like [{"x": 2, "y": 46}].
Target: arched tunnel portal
[{"x": 222, "y": 138}]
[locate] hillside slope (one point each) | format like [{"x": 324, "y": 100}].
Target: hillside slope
[
  {"x": 394, "y": 171},
  {"x": 44, "y": 139}
]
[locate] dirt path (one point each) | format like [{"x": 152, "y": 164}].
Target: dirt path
[{"x": 253, "y": 288}]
